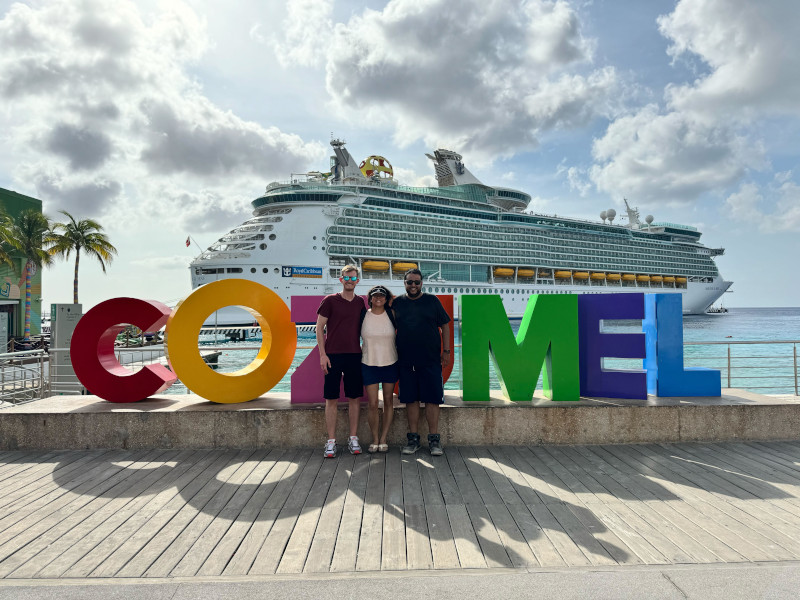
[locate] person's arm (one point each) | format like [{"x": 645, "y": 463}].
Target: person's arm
[
  {"x": 324, "y": 361},
  {"x": 446, "y": 349}
]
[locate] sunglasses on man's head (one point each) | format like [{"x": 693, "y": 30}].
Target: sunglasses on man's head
[
  {"x": 350, "y": 278},
  {"x": 413, "y": 281}
]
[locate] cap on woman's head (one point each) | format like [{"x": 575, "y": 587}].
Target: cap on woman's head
[{"x": 379, "y": 289}]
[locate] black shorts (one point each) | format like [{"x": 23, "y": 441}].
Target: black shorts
[
  {"x": 421, "y": 384},
  {"x": 373, "y": 375},
  {"x": 349, "y": 367}
]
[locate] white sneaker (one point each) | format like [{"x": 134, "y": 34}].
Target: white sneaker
[
  {"x": 330, "y": 449},
  {"x": 353, "y": 445}
]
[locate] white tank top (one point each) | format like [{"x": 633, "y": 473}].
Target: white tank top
[{"x": 379, "y": 349}]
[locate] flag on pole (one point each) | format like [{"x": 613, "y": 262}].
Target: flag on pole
[{"x": 188, "y": 243}]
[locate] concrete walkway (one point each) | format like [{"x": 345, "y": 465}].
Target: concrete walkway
[{"x": 224, "y": 517}]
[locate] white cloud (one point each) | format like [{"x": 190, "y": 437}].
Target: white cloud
[
  {"x": 775, "y": 208},
  {"x": 100, "y": 109},
  {"x": 669, "y": 157},
  {"x": 484, "y": 77},
  {"x": 307, "y": 31},
  {"x": 750, "y": 48}
]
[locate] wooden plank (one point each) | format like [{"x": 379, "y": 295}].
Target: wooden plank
[
  {"x": 371, "y": 535},
  {"x": 237, "y": 533},
  {"x": 135, "y": 519},
  {"x": 61, "y": 483},
  {"x": 694, "y": 540},
  {"x": 64, "y": 544},
  {"x": 331, "y": 522},
  {"x": 39, "y": 518},
  {"x": 726, "y": 529},
  {"x": 393, "y": 542},
  {"x": 282, "y": 479},
  {"x": 21, "y": 488},
  {"x": 440, "y": 534},
  {"x": 346, "y": 549},
  {"x": 304, "y": 529},
  {"x": 494, "y": 552},
  {"x": 269, "y": 556},
  {"x": 199, "y": 518},
  {"x": 262, "y": 462},
  {"x": 470, "y": 554},
  {"x": 173, "y": 465},
  {"x": 165, "y": 549},
  {"x": 142, "y": 548},
  {"x": 418, "y": 546}
]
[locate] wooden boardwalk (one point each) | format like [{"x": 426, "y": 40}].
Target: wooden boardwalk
[{"x": 169, "y": 513}]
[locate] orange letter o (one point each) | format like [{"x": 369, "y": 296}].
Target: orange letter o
[{"x": 278, "y": 345}]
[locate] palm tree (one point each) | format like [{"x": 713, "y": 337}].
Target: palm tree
[
  {"x": 27, "y": 234},
  {"x": 5, "y": 244},
  {"x": 84, "y": 235}
]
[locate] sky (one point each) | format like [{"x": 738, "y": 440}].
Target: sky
[{"x": 164, "y": 120}]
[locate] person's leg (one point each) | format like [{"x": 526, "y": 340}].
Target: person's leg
[
  {"x": 388, "y": 409},
  {"x": 372, "y": 410},
  {"x": 409, "y": 396},
  {"x": 333, "y": 380},
  {"x": 331, "y": 410},
  {"x": 432, "y": 417},
  {"x": 354, "y": 408},
  {"x": 412, "y": 413}
]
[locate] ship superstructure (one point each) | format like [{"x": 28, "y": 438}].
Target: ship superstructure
[{"x": 465, "y": 237}]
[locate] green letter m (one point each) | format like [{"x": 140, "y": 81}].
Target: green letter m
[{"x": 548, "y": 335}]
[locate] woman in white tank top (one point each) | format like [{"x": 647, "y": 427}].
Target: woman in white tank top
[{"x": 379, "y": 364}]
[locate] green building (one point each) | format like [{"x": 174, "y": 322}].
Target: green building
[{"x": 12, "y": 282}]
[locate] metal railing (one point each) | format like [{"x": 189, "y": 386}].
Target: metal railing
[
  {"x": 762, "y": 366},
  {"x": 22, "y": 377},
  {"x": 749, "y": 365}
]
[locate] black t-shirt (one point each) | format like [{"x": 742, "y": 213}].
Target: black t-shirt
[{"x": 418, "y": 322}]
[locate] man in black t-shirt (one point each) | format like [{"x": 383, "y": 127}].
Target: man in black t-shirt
[{"x": 423, "y": 339}]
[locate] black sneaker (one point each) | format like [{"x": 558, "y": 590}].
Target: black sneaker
[
  {"x": 413, "y": 443},
  {"x": 435, "y": 444}
]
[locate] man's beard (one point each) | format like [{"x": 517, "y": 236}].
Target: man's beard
[{"x": 419, "y": 293}]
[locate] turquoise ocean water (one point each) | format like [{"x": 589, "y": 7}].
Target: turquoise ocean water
[{"x": 765, "y": 368}]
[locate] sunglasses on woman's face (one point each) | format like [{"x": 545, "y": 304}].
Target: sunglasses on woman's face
[{"x": 353, "y": 278}]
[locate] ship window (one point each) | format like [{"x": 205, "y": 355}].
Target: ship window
[
  {"x": 272, "y": 236},
  {"x": 262, "y": 246},
  {"x": 252, "y": 269},
  {"x": 234, "y": 269}
]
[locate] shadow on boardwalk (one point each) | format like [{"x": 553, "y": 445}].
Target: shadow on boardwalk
[{"x": 163, "y": 513}]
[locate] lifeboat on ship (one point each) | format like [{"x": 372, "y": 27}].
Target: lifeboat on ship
[
  {"x": 563, "y": 274},
  {"x": 545, "y": 274},
  {"x": 598, "y": 276},
  {"x": 669, "y": 279},
  {"x": 525, "y": 273},
  {"x": 503, "y": 272},
  {"x": 580, "y": 275},
  {"x": 404, "y": 266},
  {"x": 643, "y": 278},
  {"x": 656, "y": 278},
  {"x": 680, "y": 279},
  {"x": 379, "y": 266},
  {"x": 613, "y": 276},
  {"x": 628, "y": 277}
]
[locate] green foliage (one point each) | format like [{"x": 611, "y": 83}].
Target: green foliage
[{"x": 85, "y": 236}]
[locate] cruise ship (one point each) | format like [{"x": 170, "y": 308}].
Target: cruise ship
[{"x": 464, "y": 236}]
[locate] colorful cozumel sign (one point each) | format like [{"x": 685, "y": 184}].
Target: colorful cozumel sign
[{"x": 560, "y": 337}]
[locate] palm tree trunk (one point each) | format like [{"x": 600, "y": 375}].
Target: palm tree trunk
[
  {"x": 27, "y": 333},
  {"x": 75, "y": 280}
]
